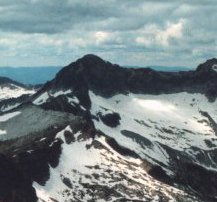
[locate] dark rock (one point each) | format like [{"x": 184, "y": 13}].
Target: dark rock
[
  {"x": 102, "y": 191},
  {"x": 67, "y": 182},
  {"x": 209, "y": 143},
  {"x": 121, "y": 150},
  {"x": 212, "y": 122},
  {"x": 203, "y": 181},
  {"x": 144, "y": 142},
  {"x": 187, "y": 173},
  {"x": 36, "y": 164},
  {"x": 15, "y": 186},
  {"x": 69, "y": 137},
  {"x": 207, "y": 66},
  {"x": 158, "y": 173},
  {"x": 111, "y": 120}
]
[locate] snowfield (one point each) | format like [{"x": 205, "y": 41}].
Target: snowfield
[
  {"x": 85, "y": 170},
  {"x": 174, "y": 120}
]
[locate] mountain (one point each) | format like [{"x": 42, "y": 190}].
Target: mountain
[
  {"x": 101, "y": 132},
  {"x": 40, "y": 75},
  {"x": 13, "y": 93},
  {"x": 170, "y": 68},
  {"x": 165, "y": 68}
]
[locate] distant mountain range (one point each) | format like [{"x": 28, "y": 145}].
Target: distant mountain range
[
  {"x": 40, "y": 75},
  {"x": 165, "y": 68},
  {"x": 171, "y": 68},
  {"x": 29, "y": 75}
]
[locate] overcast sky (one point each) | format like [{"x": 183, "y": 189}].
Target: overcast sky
[{"x": 127, "y": 32}]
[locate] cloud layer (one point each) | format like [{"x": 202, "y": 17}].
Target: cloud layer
[{"x": 141, "y": 32}]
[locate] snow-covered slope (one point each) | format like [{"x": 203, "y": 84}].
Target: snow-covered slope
[
  {"x": 12, "y": 94},
  {"x": 151, "y": 122},
  {"x": 165, "y": 130},
  {"x": 96, "y": 172},
  {"x": 13, "y": 91},
  {"x": 168, "y": 120},
  {"x": 100, "y": 132}
]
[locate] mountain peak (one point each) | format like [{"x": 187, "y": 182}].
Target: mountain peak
[
  {"x": 91, "y": 57},
  {"x": 207, "y": 66},
  {"x": 86, "y": 64},
  {"x": 92, "y": 62},
  {"x": 89, "y": 69}
]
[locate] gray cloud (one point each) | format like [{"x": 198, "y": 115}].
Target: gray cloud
[{"x": 140, "y": 32}]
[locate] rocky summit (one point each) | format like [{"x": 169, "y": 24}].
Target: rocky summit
[{"x": 101, "y": 132}]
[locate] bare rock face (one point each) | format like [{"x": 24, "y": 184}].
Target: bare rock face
[
  {"x": 15, "y": 186},
  {"x": 106, "y": 79},
  {"x": 209, "y": 65}
]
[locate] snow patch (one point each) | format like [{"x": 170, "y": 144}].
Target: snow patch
[
  {"x": 41, "y": 99},
  {"x": 8, "y": 116},
  {"x": 9, "y": 107},
  {"x": 13, "y": 91},
  {"x": 3, "y": 132},
  {"x": 61, "y": 92},
  {"x": 47, "y": 95}
]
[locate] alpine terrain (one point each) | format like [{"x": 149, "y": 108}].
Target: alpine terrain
[{"x": 101, "y": 132}]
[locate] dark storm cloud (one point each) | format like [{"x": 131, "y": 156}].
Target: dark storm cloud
[
  {"x": 49, "y": 16},
  {"x": 53, "y": 16}
]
